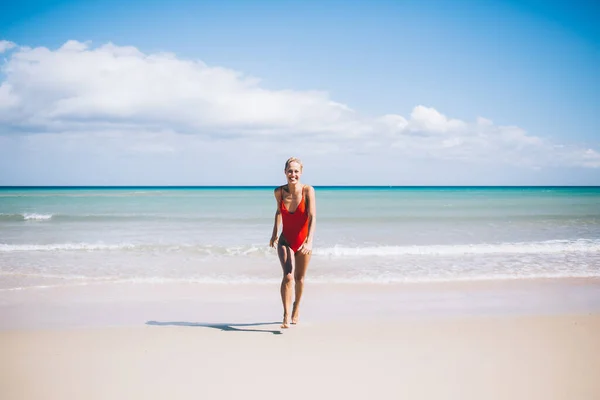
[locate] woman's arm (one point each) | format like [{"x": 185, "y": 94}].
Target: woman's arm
[
  {"x": 312, "y": 220},
  {"x": 277, "y": 222}
]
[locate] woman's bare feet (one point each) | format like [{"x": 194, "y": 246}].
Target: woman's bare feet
[
  {"x": 295, "y": 314},
  {"x": 285, "y": 324}
]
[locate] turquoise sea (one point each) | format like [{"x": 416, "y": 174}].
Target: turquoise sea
[{"x": 88, "y": 235}]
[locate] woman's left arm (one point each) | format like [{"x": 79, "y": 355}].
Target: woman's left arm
[{"x": 312, "y": 220}]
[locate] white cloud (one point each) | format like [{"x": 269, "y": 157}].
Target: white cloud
[
  {"x": 154, "y": 103},
  {"x": 6, "y": 45},
  {"x": 426, "y": 119},
  {"x": 428, "y": 133},
  {"x": 7, "y": 99},
  {"x": 117, "y": 85},
  {"x": 582, "y": 157},
  {"x": 393, "y": 123}
]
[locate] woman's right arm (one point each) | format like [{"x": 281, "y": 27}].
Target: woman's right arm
[{"x": 277, "y": 222}]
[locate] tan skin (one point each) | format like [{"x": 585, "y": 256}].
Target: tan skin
[{"x": 294, "y": 265}]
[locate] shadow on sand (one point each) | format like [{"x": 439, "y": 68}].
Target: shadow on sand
[{"x": 223, "y": 327}]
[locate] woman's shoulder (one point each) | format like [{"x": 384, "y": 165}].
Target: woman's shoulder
[
  {"x": 308, "y": 189},
  {"x": 277, "y": 191}
]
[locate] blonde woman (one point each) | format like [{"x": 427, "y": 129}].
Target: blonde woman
[{"x": 296, "y": 211}]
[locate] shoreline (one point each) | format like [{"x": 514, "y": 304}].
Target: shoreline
[{"x": 133, "y": 304}]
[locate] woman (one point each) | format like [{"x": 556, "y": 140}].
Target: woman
[{"x": 296, "y": 209}]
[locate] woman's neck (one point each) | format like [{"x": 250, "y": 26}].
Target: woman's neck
[{"x": 294, "y": 187}]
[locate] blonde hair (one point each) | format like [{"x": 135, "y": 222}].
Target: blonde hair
[{"x": 291, "y": 160}]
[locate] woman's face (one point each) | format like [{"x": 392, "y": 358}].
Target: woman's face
[{"x": 293, "y": 172}]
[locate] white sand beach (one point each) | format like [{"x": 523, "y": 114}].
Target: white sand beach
[{"x": 470, "y": 341}]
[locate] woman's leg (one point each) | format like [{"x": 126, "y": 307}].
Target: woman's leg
[
  {"x": 286, "y": 258},
  {"x": 301, "y": 261}
]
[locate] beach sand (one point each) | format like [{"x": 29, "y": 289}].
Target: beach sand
[{"x": 473, "y": 341}]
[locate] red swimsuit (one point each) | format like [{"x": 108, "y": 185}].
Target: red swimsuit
[{"x": 295, "y": 225}]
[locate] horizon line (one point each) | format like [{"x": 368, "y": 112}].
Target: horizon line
[{"x": 274, "y": 186}]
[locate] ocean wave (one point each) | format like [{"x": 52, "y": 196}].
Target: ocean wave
[
  {"x": 166, "y": 248},
  {"x": 129, "y": 217},
  {"x": 7, "y": 248},
  {"x": 36, "y": 217},
  {"x": 550, "y": 246},
  {"x": 543, "y": 247},
  {"x": 56, "y": 276},
  {"x": 353, "y": 220},
  {"x": 25, "y": 217}
]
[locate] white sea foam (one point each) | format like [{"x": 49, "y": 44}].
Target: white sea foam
[
  {"x": 552, "y": 246},
  {"x": 7, "y": 248},
  {"x": 356, "y": 279},
  {"x": 36, "y": 217},
  {"x": 25, "y": 217},
  {"x": 399, "y": 278},
  {"x": 57, "y": 276},
  {"x": 543, "y": 247}
]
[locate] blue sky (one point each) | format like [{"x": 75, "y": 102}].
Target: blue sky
[{"x": 380, "y": 92}]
